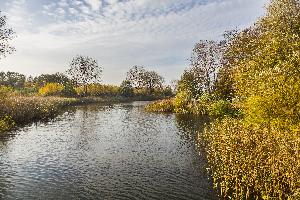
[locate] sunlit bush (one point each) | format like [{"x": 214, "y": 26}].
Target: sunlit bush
[
  {"x": 51, "y": 89},
  {"x": 5, "y": 92},
  {"x": 222, "y": 108},
  {"x": 6, "y": 124},
  {"x": 161, "y": 106},
  {"x": 182, "y": 102}
]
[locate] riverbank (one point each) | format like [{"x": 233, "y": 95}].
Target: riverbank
[{"x": 19, "y": 110}]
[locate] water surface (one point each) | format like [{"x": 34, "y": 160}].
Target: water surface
[{"x": 105, "y": 152}]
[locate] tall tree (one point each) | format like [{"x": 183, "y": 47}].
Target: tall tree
[
  {"x": 6, "y": 34},
  {"x": 266, "y": 65},
  {"x": 84, "y": 71},
  {"x": 206, "y": 61}
]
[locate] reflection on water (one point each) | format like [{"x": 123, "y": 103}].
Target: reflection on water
[{"x": 105, "y": 152}]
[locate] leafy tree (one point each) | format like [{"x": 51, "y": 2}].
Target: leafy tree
[
  {"x": 140, "y": 78},
  {"x": 205, "y": 62},
  {"x": 136, "y": 76},
  {"x": 152, "y": 80},
  {"x": 84, "y": 71},
  {"x": 12, "y": 79},
  {"x": 224, "y": 85},
  {"x": 191, "y": 81},
  {"x": 43, "y": 79},
  {"x": 126, "y": 89},
  {"x": 266, "y": 65},
  {"x": 6, "y": 34}
]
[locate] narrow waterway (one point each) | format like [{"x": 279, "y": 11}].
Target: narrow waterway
[{"x": 105, "y": 152}]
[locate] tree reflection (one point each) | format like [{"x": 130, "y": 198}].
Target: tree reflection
[{"x": 190, "y": 125}]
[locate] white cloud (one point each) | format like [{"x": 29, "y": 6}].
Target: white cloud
[
  {"x": 158, "y": 34},
  {"x": 94, "y": 4}
]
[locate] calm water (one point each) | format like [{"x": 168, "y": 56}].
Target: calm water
[{"x": 105, "y": 152}]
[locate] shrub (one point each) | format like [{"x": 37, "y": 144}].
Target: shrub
[
  {"x": 27, "y": 90},
  {"x": 6, "y": 124},
  {"x": 253, "y": 161},
  {"x": 69, "y": 91},
  {"x": 5, "y": 91},
  {"x": 51, "y": 89},
  {"x": 200, "y": 107},
  {"x": 161, "y": 106},
  {"x": 222, "y": 108},
  {"x": 182, "y": 102}
]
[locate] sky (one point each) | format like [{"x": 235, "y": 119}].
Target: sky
[{"x": 157, "y": 34}]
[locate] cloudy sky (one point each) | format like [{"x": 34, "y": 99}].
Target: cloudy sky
[{"x": 158, "y": 34}]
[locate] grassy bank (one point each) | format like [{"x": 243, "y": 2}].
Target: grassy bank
[
  {"x": 204, "y": 106},
  {"x": 19, "y": 110}
]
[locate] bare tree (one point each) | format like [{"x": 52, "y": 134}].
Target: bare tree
[
  {"x": 6, "y": 34},
  {"x": 84, "y": 71}
]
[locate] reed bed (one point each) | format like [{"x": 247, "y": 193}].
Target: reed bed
[
  {"x": 253, "y": 162},
  {"x": 17, "y": 109}
]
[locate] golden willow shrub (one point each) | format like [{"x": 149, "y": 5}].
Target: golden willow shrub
[
  {"x": 253, "y": 162},
  {"x": 51, "y": 89}
]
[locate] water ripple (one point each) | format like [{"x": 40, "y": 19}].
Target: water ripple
[{"x": 104, "y": 152}]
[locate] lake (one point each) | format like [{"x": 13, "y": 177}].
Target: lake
[{"x": 116, "y": 151}]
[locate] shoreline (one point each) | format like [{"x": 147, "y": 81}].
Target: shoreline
[{"x": 20, "y": 111}]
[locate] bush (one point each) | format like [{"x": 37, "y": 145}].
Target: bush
[
  {"x": 182, "y": 102},
  {"x": 6, "y": 124},
  {"x": 27, "y": 90},
  {"x": 222, "y": 108},
  {"x": 161, "y": 106},
  {"x": 253, "y": 161},
  {"x": 51, "y": 89},
  {"x": 200, "y": 107},
  {"x": 69, "y": 91}
]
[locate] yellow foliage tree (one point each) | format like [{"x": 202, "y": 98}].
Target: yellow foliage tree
[
  {"x": 266, "y": 60},
  {"x": 51, "y": 89}
]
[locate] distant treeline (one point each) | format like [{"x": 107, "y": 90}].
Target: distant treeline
[{"x": 139, "y": 83}]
